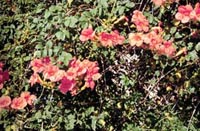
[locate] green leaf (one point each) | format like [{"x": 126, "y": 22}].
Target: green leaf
[
  {"x": 173, "y": 30},
  {"x": 73, "y": 21},
  {"x": 87, "y": 1},
  {"x": 94, "y": 122},
  {"x": 130, "y": 4},
  {"x": 37, "y": 54},
  {"x": 65, "y": 57},
  {"x": 35, "y": 20},
  {"x": 52, "y": 8},
  {"x": 44, "y": 52},
  {"x": 192, "y": 55},
  {"x": 89, "y": 111},
  {"x": 38, "y": 115},
  {"x": 49, "y": 44},
  {"x": 60, "y": 35},
  {"x": 67, "y": 34},
  {"x": 150, "y": 17},
  {"x": 39, "y": 46},
  {"x": 190, "y": 46},
  {"x": 27, "y": 58},
  {"x": 39, "y": 10},
  {"x": 67, "y": 22},
  {"x": 167, "y": 37},
  {"x": 56, "y": 49},
  {"x": 178, "y": 35},
  {"x": 121, "y": 10},
  {"x": 197, "y": 47},
  {"x": 103, "y": 3},
  {"x": 94, "y": 11},
  {"x": 47, "y": 14},
  {"x": 50, "y": 52},
  {"x": 70, "y": 122}
]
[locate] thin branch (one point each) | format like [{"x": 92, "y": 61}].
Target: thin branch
[{"x": 190, "y": 121}]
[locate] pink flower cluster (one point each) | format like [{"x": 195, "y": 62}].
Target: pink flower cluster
[
  {"x": 49, "y": 71},
  {"x": 70, "y": 79},
  {"x": 78, "y": 71},
  {"x": 149, "y": 39},
  {"x": 153, "y": 40},
  {"x": 106, "y": 39},
  {"x": 17, "y": 103},
  {"x": 4, "y": 75},
  {"x": 187, "y": 13},
  {"x": 87, "y": 34},
  {"x": 140, "y": 21}
]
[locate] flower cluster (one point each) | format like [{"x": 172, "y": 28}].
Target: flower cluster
[
  {"x": 17, "y": 103},
  {"x": 152, "y": 40},
  {"x": 106, "y": 39},
  {"x": 110, "y": 39},
  {"x": 87, "y": 34},
  {"x": 149, "y": 39},
  {"x": 49, "y": 71},
  {"x": 78, "y": 71},
  {"x": 4, "y": 75},
  {"x": 140, "y": 21},
  {"x": 69, "y": 80},
  {"x": 187, "y": 13}
]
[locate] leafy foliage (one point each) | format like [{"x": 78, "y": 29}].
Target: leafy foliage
[{"x": 139, "y": 89}]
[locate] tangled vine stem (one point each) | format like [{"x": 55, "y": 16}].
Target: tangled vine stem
[{"x": 194, "y": 111}]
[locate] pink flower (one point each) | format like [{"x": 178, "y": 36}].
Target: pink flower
[
  {"x": 18, "y": 103},
  {"x": 1, "y": 86},
  {"x": 38, "y": 65},
  {"x": 73, "y": 92},
  {"x": 153, "y": 39},
  {"x": 89, "y": 83},
  {"x": 87, "y": 70},
  {"x": 116, "y": 38},
  {"x": 28, "y": 97},
  {"x": 50, "y": 71},
  {"x": 58, "y": 76},
  {"x": 66, "y": 85},
  {"x": 136, "y": 39},
  {"x": 35, "y": 78},
  {"x": 77, "y": 68},
  {"x": 111, "y": 39},
  {"x": 87, "y": 34},
  {"x": 169, "y": 49},
  {"x": 96, "y": 76},
  {"x": 184, "y": 13},
  {"x": 4, "y": 75},
  {"x": 157, "y": 29},
  {"x": 159, "y": 2},
  {"x": 142, "y": 24},
  {"x": 72, "y": 73},
  {"x": 1, "y": 66},
  {"x": 195, "y": 15},
  {"x": 53, "y": 73},
  {"x": 105, "y": 39},
  {"x": 31, "y": 99},
  {"x": 92, "y": 73},
  {"x": 5, "y": 101},
  {"x": 25, "y": 95}
]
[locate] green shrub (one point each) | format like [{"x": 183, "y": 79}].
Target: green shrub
[{"x": 139, "y": 88}]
